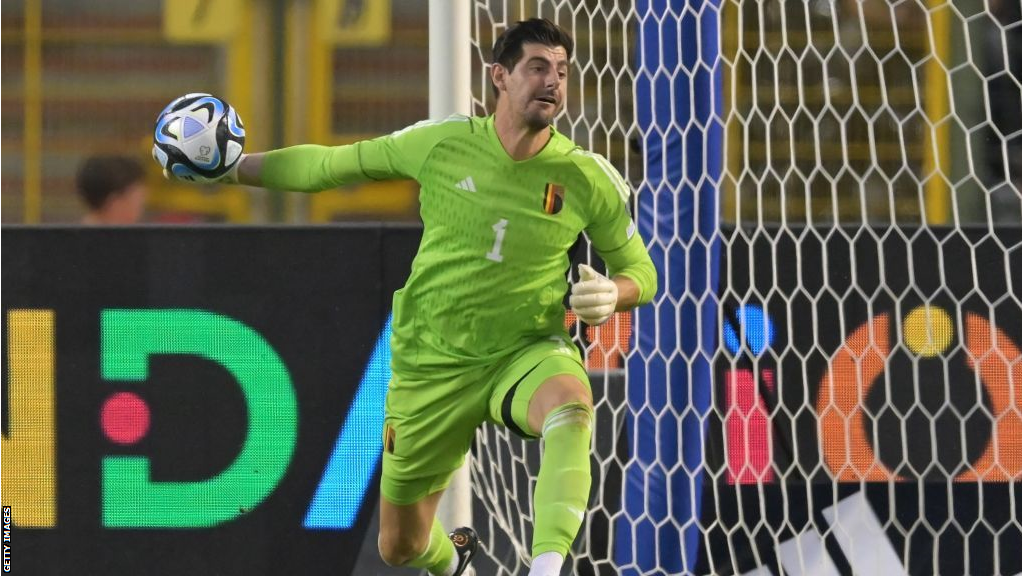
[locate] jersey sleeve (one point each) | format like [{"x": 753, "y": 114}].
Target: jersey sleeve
[
  {"x": 612, "y": 231},
  {"x": 311, "y": 168},
  {"x": 401, "y": 154}
]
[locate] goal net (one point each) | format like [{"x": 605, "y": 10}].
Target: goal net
[{"x": 829, "y": 378}]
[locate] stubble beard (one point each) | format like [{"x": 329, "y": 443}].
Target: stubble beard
[{"x": 539, "y": 119}]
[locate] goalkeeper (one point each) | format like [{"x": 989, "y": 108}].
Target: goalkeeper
[{"x": 478, "y": 332}]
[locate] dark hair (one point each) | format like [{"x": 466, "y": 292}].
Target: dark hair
[
  {"x": 508, "y": 48},
  {"x": 100, "y": 177}
]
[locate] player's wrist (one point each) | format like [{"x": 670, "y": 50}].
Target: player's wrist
[
  {"x": 232, "y": 175},
  {"x": 628, "y": 293}
]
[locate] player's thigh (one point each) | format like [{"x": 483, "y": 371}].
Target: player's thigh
[
  {"x": 428, "y": 428},
  {"x": 554, "y": 365}
]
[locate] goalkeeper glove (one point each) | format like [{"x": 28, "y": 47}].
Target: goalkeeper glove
[
  {"x": 594, "y": 297},
  {"x": 229, "y": 177}
]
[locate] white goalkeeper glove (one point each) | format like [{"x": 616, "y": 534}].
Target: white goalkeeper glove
[
  {"x": 229, "y": 177},
  {"x": 594, "y": 297}
]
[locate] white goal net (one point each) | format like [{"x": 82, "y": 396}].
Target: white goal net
[{"x": 829, "y": 378}]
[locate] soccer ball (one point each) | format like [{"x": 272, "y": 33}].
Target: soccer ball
[{"x": 198, "y": 137}]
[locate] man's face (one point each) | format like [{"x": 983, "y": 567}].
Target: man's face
[
  {"x": 128, "y": 206},
  {"x": 535, "y": 88}
]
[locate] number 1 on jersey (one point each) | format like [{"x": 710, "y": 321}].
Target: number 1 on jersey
[{"x": 499, "y": 237}]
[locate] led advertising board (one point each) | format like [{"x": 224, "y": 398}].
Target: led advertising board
[
  {"x": 203, "y": 400},
  {"x": 867, "y": 370}
]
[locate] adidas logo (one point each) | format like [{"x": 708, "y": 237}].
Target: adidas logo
[
  {"x": 467, "y": 184},
  {"x": 861, "y": 537}
]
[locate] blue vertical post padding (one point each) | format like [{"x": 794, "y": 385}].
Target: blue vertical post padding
[{"x": 678, "y": 107}]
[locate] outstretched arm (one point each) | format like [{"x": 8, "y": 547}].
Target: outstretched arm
[
  {"x": 312, "y": 168},
  {"x": 248, "y": 171},
  {"x": 304, "y": 168}
]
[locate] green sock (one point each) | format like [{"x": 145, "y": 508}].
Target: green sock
[
  {"x": 438, "y": 556},
  {"x": 563, "y": 486}
]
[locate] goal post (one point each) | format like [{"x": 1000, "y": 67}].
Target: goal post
[
  {"x": 829, "y": 378},
  {"x": 450, "y": 93}
]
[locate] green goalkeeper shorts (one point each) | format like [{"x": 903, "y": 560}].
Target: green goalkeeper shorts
[{"x": 429, "y": 424}]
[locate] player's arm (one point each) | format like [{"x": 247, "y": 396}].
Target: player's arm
[
  {"x": 304, "y": 168},
  {"x": 632, "y": 270},
  {"x": 633, "y": 282},
  {"x": 312, "y": 168},
  {"x": 632, "y": 279},
  {"x": 627, "y": 293},
  {"x": 249, "y": 168}
]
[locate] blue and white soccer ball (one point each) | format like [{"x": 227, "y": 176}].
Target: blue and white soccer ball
[{"x": 198, "y": 137}]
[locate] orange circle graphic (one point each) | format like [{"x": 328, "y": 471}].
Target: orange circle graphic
[{"x": 859, "y": 361}]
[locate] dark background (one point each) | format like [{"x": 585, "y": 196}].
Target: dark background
[
  {"x": 819, "y": 285},
  {"x": 319, "y": 296}
]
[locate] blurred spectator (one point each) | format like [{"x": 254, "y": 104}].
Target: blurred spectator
[{"x": 113, "y": 188}]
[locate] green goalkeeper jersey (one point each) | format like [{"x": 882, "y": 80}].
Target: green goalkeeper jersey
[{"x": 491, "y": 271}]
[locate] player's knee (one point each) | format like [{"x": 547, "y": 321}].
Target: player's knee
[
  {"x": 571, "y": 391},
  {"x": 575, "y": 414},
  {"x": 555, "y": 395},
  {"x": 397, "y": 551}
]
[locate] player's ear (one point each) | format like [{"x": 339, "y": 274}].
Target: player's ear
[{"x": 498, "y": 76}]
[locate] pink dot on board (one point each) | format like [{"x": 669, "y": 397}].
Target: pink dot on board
[{"x": 125, "y": 418}]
